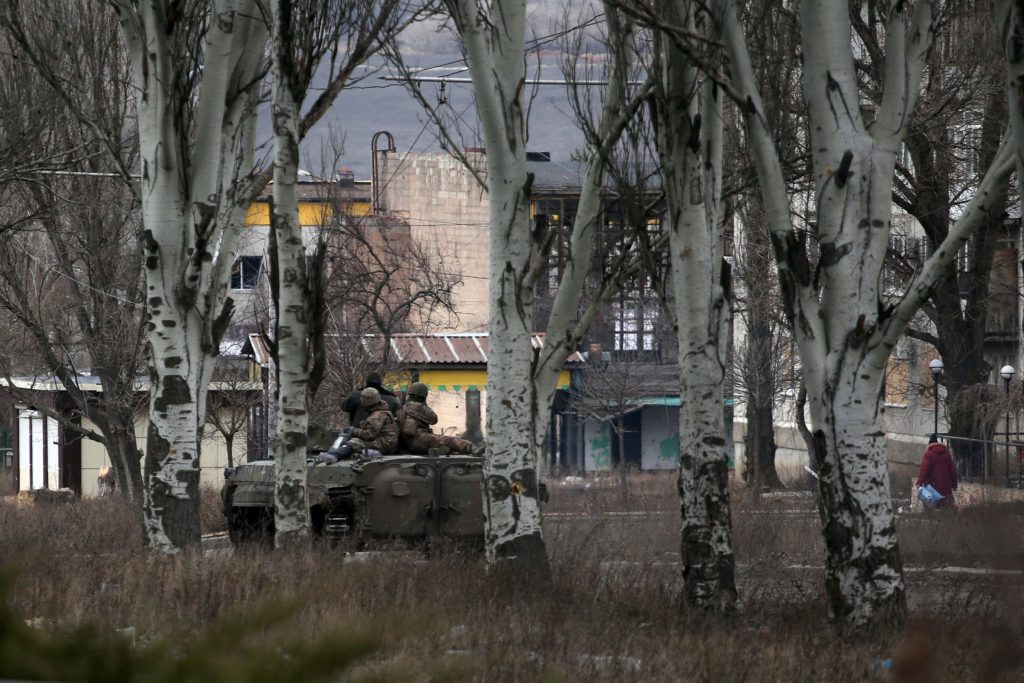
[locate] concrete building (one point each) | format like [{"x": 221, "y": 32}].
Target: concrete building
[{"x": 45, "y": 454}]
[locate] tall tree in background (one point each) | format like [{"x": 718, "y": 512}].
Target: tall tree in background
[
  {"x": 197, "y": 69},
  {"x": 763, "y": 354},
  {"x": 688, "y": 131},
  {"x": 385, "y": 282},
  {"x": 77, "y": 238},
  {"x": 304, "y": 34},
  {"x": 25, "y": 114},
  {"x": 291, "y": 505},
  {"x": 1009, "y": 21},
  {"x": 521, "y": 382},
  {"x": 952, "y": 136},
  {"x": 844, "y": 329},
  {"x": 759, "y": 363},
  {"x": 609, "y": 392}
]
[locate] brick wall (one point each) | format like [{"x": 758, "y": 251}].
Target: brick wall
[
  {"x": 450, "y": 407},
  {"x": 448, "y": 211}
]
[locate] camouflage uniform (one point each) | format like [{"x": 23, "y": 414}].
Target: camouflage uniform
[
  {"x": 378, "y": 431},
  {"x": 418, "y": 438}
]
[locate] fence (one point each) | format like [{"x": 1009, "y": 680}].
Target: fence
[{"x": 992, "y": 461}]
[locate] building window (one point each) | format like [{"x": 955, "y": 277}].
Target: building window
[
  {"x": 246, "y": 272},
  {"x": 634, "y": 326}
]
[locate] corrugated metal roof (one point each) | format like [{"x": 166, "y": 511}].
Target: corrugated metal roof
[
  {"x": 49, "y": 383},
  {"x": 455, "y": 348},
  {"x": 566, "y": 177},
  {"x": 258, "y": 345}
]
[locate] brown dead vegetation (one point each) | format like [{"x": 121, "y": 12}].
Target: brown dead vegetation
[{"x": 610, "y": 612}]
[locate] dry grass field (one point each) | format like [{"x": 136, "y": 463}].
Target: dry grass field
[{"x": 609, "y": 613}]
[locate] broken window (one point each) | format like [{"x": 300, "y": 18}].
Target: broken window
[{"x": 246, "y": 272}]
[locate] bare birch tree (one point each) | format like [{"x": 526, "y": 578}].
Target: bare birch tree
[
  {"x": 688, "y": 138},
  {"x": 521, "y": 382},
  {"x": 303, "y": 34},
  {"x": 844, "y": 330},
  {"x": 198, "y": 68},
  {"x": 952, "y": 136},
  {"x": 78, "y": 235},
  {"x": 1009, "y": 21},
  {"x": 291, "y": 509}
]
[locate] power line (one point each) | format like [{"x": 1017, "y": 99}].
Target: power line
[
  {"x": 535, "y": 81},
  {"x": 137, "y": 304},
  {"x": 531, "y": 44},
  {"x": 83, "y": 174},
  {"x": 394, "y": 173}
]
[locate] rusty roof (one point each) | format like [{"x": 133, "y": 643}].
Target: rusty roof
[
  {"x": 452, "y": 348},
  {"x": 257, "y": 347}
]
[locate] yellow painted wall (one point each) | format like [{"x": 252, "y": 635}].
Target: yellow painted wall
[
  {"x": 448, "y": 396},
  {"x": 213, "y": 459},
  {"x": 450, "y": 407},
  {"x": 310, "y": 213},
  {"x": 461, "y": 380}
]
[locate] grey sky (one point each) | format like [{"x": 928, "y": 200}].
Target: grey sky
[{"x": 375, "y": 105}]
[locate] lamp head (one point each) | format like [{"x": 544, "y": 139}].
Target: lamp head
[
  {"x": 936, "y": 366},
  {"x": 1006, "y": 372}
]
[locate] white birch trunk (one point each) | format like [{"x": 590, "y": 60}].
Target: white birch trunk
[
  {"x": 844, "y": 330},
  {"x": 181, "y": 190},
  {"x": 1009, "y": 20},
  {"x": 688, "y": 124},
  {"x": 521, "y": 382},
  {"x": 494, "y": 38},
  {"x": 291, "y": 512},
  {"x": 566, "y": 327}
]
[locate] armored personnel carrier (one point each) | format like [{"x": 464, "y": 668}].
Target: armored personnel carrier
[{"x": 416, "y": 499}]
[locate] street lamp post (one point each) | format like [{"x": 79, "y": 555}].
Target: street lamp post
[
  {"x": 936, "y": 367},
  {"x": 1007, "y": 372}
]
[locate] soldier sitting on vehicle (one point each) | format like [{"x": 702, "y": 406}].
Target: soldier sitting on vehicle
[
  {"x": 377, "y": 432},
  {"x": 417, "y": 438},
  {"x": 353, "y": 407}
]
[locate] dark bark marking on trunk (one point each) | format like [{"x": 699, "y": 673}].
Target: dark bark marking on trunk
[
  {"x": 831, "y": 254},
  {"x": 152, "y": 248},
  {"x": 498, "y": 487},
  {"x": 529, "y": 555},
  {"x": 693, "y": 142},
  {"x": 175, "y": 392},
  {"x": 179, "y": 517},
  {"x": 524, "y": 482},
  {"x": 295, "y": 440},
  {"x": 843, "y": 174}
]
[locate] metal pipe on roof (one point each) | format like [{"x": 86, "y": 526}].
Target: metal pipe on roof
[{"x": 375, "y": 189}]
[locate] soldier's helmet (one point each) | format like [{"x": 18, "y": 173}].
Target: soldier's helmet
[
  {"x": 369, "y": 397},
  {"x": 418, "y": 389}
]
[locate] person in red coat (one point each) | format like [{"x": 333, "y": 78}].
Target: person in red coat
[{"x": 939, "y": 470}]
